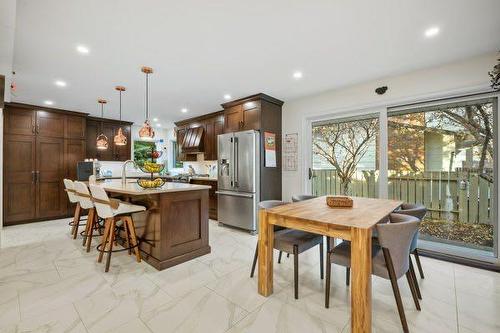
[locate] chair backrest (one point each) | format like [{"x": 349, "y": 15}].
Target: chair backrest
[
  {"x": 85, "y": 202},
  {"x": 70, "y": 187},
  {"x": 397, "y": 236},
  {"x": 302, "y": 197},
  {"x": 103, "y": 210},
  {"x": 92, "y": 179},
  {"x": 416, "y": 210},
  {"x": 268, "y": 204}
]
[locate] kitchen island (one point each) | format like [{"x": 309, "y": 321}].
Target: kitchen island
[{"x": 174, "y": 228}]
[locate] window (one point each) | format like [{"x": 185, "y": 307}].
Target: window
[
  {"x": 175, "y": 154},
  {"x": 443, "y": 157},
  {"x": 142, "y": 151},
  {"x": 345, "y": 157}
]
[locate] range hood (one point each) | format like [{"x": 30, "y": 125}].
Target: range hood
[{"x": 193, "y": 141}]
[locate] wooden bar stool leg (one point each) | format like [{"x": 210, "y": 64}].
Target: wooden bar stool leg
[
  {"x": 92, "y": 223},
  {"x": 127, "y": 237},
  {"x": 107, "y": 225},
  {"x": 86, "y": 232},
  {"x": 76, "y": 220},
  {"x": 133, "y": 238},
  {"x": 111, "y": 241}
]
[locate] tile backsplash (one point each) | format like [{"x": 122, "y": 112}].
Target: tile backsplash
[{"x": 202, "y": 167}]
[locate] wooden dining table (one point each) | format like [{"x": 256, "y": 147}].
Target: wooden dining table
[{"x": 354, "y": 224}]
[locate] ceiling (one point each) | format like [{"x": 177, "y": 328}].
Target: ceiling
[{"x": 201, "y": 50}]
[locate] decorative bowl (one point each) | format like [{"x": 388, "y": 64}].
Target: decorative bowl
[
  {"x": 339, "y": 201},
  {"x": 150, "y": 183}
]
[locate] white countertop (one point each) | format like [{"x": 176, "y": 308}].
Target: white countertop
[
  {"x": 204, "y": 178},
  {"x": 131, "y": 187}
]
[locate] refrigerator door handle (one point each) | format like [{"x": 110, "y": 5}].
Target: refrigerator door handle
[
  {"x": 236, "y": 162},
  {"x": 235, "y": 194}
]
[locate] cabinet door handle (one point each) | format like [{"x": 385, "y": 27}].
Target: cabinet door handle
[
  {"x": 37, "y": 128},
  {"x": 33, "y": 126},
  {"x": 33, "y": 177}
]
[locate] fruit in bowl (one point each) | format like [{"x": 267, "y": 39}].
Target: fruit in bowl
[
  {"x": 150, "y": 183},
  {"x": 152, "y": 167}
]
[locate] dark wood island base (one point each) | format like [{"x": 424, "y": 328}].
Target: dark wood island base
[{"x": 174, "y": 229}]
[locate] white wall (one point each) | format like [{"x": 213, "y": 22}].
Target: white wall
[
  {"x": 7, "y": 31},
  {"x": 459, "y": 78}
]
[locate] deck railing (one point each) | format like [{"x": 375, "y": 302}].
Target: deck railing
[{"x": 463, "y": 195}]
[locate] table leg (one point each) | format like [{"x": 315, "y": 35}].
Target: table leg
[
  {"x": 361, "y": 284},
  {"x": 266, "y": 245}
]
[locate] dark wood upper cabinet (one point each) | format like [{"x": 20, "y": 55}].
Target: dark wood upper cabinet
[
  {"x": 75, "y": 127},
  {"x": 20, "y": 121},
  {"x": 233, "y": 118},
  {"x": 250, "y": 112},
  {"x": 50, "y": 124}
]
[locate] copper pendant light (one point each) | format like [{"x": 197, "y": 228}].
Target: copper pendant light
[
  {"x": 102, "y": 140},
  {"x": 146, "y": 132},
  {"x": 120, "y": 139}
]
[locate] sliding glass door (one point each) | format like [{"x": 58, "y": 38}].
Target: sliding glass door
[
  {"x": 443, "y": 157},
  {"x": 345, "y": 157}
]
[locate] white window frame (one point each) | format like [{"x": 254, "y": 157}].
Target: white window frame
[{"x": 383, "y": 109}]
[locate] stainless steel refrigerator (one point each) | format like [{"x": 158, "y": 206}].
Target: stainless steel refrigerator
[{"x": 238, "y": 179}]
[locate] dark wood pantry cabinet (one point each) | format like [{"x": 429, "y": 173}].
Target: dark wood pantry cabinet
[{"x": 41, "y": 147}]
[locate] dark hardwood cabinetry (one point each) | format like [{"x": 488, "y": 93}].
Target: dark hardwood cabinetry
[
  {"x": 109, "y": 127},
  {"x": 41, "y": 147},
  {"x": 199, "y": 136},
  {"x": 212, "y": 196},
  {"x": 262, "y": 113}
]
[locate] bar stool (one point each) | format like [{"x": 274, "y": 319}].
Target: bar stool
[
  {"x": 85, "y": 200},
  {"x": 69, "y": 187},
  {"x": 115, "y": 213}
]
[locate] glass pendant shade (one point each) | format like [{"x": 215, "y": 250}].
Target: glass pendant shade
[
  {"x": 120, "y": 139},
  {"x": 102, "y": 140},
  {"x": 146, "y": 132}
]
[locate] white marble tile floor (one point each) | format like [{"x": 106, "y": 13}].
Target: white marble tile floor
[{"x": 48, "y": 283}]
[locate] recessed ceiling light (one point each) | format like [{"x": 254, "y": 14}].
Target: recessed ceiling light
[
  {"x": 431, "y": 32},
  {"x": 155, "y": 119},
  {"x": 48, "y": 103},
  {"x": 158, "y": 125},
  {"x": 227, "y": 97},
  {"x": 82, "y": 49},
  {"x": 184, "y": 110},
  {"x": 297, "y": 75},
  {"x": 60, "y": 83}
]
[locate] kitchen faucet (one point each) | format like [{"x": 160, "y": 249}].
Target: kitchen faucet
[{"x": 124, "y": 168}]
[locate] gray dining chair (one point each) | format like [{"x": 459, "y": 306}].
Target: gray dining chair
[
  {"x": 302, "y": 197},
  {"x": 390, "y": 258},
  {"x": 419, "y": 212},
  {"x": 291, "y": 241}
]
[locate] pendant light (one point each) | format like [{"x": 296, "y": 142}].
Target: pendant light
[
  {"x": 102, "y": 140},
  {"x": 120, "y": 139},
  {"x": 146, "y": 132}
]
